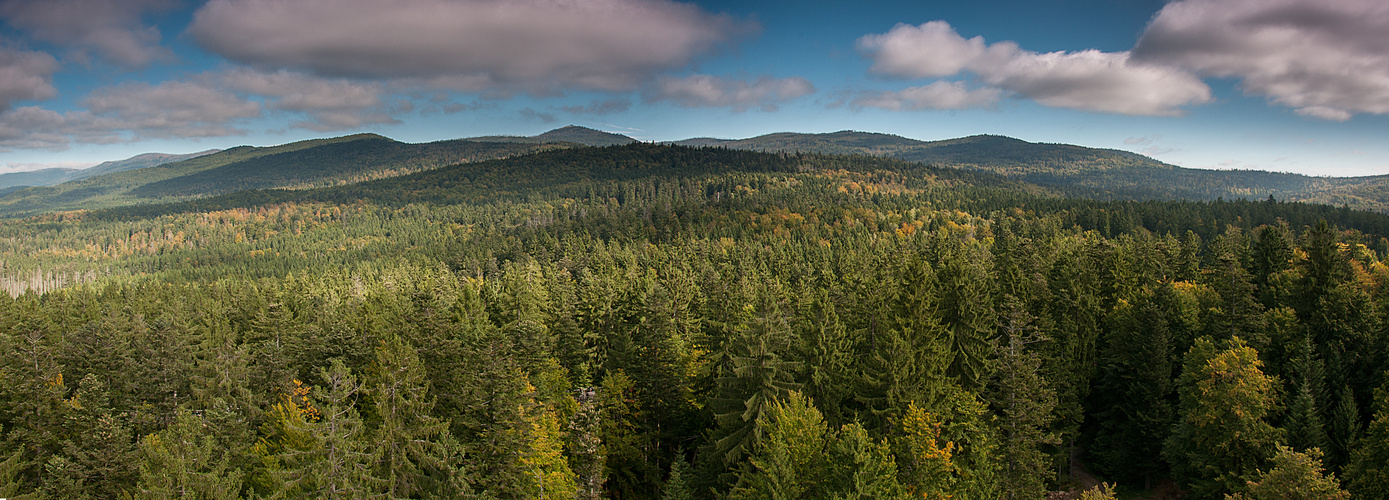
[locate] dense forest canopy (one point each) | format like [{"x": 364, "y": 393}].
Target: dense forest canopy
[{"x": 645, "y": 321}]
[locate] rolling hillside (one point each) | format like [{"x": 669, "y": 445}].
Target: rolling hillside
[
  {"x": 1058, "y": 168},
  {"x": 53, "y": 176},
  {"x": 1081, "y": 171},
  {"x": 319, "y": 162},
  {"x": 571, "y": 134}
]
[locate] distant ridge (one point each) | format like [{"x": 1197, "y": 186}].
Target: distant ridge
[
  {"x": 139, "y": 161},
  {"x": 571, "y": 134},
  {"x": 1062, "y": 168},
  {"x": 52, "y": 176}
]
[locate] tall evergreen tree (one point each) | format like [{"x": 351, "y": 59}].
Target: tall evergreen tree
[
  {"x": 1024, "y": 401},
  {"x": 409, "y": 436},
  {"x": 183, "y": 462}
]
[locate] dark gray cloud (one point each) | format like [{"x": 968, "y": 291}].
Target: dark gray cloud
[
  {"x": 26, "y": 76},
  {"x": 1089, "y": 80},
  {"x": 706, "y": 91},
  {"x": 536, "y": 46},
  {"x": 1327, "y": 59},
  {"x": 115, "y": 29},
  {"x": 330, "y": 104},
  {"x": 128, "y": 113}
]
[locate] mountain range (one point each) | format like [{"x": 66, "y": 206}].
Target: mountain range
[
  {"x": 1060, "y": 168},
  {"x": 52, "y": 176}
]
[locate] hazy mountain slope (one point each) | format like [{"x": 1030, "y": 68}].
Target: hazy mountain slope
[
  {"x": 1081, "y": 171},
  {"x": 137, "y": 162},
  {"x": 44, "y": 177},
  {"x": 299, "y": 164},
  {"x": 572, "y": 133},
  {"x": 338, "y": 163}
]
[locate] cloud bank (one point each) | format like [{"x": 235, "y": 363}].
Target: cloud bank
[
  {"x": 26, "y": 76},
  {"x": 534, "y": 46},
  {"x": 1326, "y": 59},
  {"x": 706, "y": 91},
  {"x": 937, "y": 95},
  {"x": 1087, "y": 80},
  {"x": 111, "y": 28}
]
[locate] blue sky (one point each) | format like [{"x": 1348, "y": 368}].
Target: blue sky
[{"x": 1286, "y": 85}]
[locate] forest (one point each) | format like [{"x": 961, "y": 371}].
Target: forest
[{"x": 665, "y": 322}]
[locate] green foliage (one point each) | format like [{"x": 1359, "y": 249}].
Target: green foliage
[
  {"x": 1294, "y": 475},
  {"x": 569, "y": 321},
  {"x": 789, "y": 461},
  {"x": 183, "y": 461},
  {"x": 1222, "y": 438},
  {"x": 1366, "y": 476}
]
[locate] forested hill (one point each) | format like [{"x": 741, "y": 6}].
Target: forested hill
[
  {"x": 662, "y": 322},
  {"x": 51, "y": 176},
  {"x": 1081, "y": 171},
  {"x": 570, "y": 134},
  {"x": 303, "y": 164}
]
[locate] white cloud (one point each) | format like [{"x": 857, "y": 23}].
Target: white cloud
[
  {"x": 937, "y": 95},
  {"x": 1088, "y": 80},
  {"x": 534, "y": 46},
  {"x": 26, "y": 76},
  {"x": 933, "y": 49},
  {"x": 706, "y": 91},
  {"x": 1327, "y": 59},
  {"x": 113, "y": 28},
  {"x": 330, "y": 104},
  {"x": 31, "y": 166}
]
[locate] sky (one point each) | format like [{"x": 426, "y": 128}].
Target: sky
[{"x": 1284, "y": 85}]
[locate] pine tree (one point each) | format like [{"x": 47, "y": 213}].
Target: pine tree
[
  {"x": 788, "y": 462},
  {"x": 861, "y": 468},
  {"x": 677, "y": 486},
  {"x": 409, "y": 436},
  {"x": 1133, "y": 401},
  {"x": 1024, "y": 401},
  {"x": 1366, "y": 475},
  {"x": 183, "y": 462},
  {"x": 344, "y": 469}
]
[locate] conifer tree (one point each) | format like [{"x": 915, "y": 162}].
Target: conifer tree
[
  {"x": 409, "y": 436},
  {"x": 677, "y": 486},
  {"x": 344, "y": 469},
  {"x": 1366, "y": 475},
  {"x": 788, "y": 462},
  {"x": 183, "y": 462},
  {"x": 862, "y": 468},
  {"x": 1133, "y": 409},
  {"x": 1024, "y": 401}
]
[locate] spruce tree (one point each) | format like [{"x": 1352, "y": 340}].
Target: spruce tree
[
  {"x": 409, "y": 436},
  {"x": 183, "y": 462}
]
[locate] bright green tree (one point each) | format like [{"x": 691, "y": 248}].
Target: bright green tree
[
  {"x": 1222, "y": 437},
  {"x": 789, "y": 461},
  {"x": 1294, "y": 476}
]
